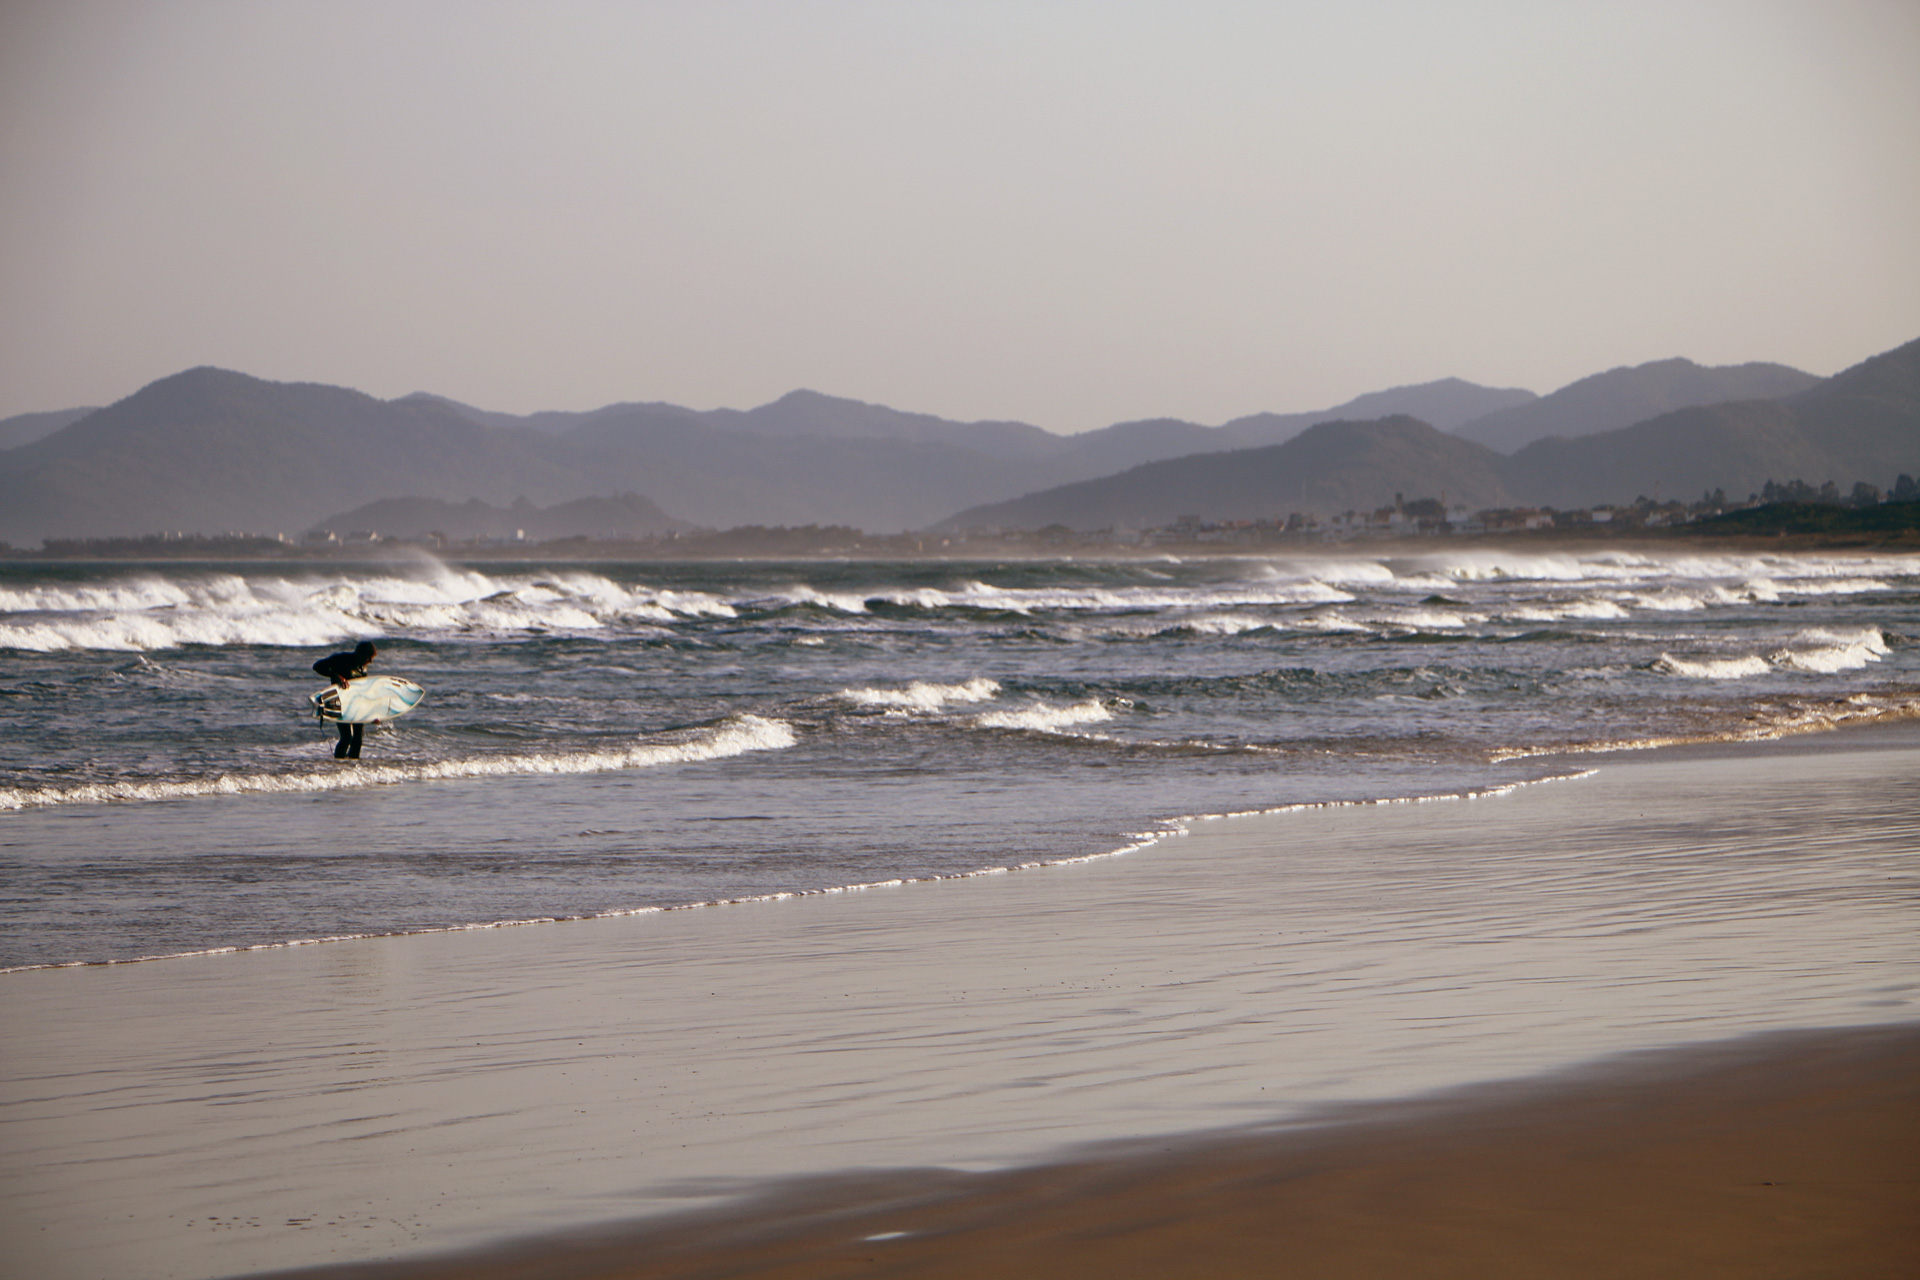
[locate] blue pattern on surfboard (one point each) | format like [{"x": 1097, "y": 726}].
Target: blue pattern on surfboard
[{"x": 367, "y": 700}]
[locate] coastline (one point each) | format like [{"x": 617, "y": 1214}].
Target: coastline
[
  {"x": 427, "y": 1095},
  {"x": 1838, "y": 531},
  {"x": 1780, "y": 1155}
]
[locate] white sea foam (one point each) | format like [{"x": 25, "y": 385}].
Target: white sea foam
[
  {"x": 1712, "y": 668},
  {"x": 1825, "y": 652},
  {"x": 1816, "y": 651},
  {"x": 734, "y": 736},
  {"x": 1043, "y": 718},
  {"x": 1217, "y": 624},
  {"x": 149, "y": 613},
  {"x": 1558, "y": 611},
  {"x": 141, "y": 593},
  {"x": 1428, "y": 619},
  {"x": 1028, "y": 600},
  {"x": 838, "y": 601},
  {"x": 1669, "y": 600},
  {"x": 1331, "y": 620},
  {"x": 1490, "y": 566},
  {"x": 1800, "y": 573},
  {"x": 1838, "y": 587},
  {"x": 160, "y": 610},
  {"x": 1770, "y": 723},
  {"x": 922, "y": 695},
  {"x": 1169, "y": 625}
]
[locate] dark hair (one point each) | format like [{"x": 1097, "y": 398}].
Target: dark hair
[{"x": 365, "y": 649}]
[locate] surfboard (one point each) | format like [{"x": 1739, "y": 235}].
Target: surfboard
[{"x": 367, "y": 700}]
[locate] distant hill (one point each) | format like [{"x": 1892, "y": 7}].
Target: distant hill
[
  {"x": 214, "y": 451},
  {"x": 1444, "y": 403},
  {"x": 798, "y": 413},
  {"x": 1861, "y": 424},
  {"x": 809, "y": 413},
  {"x": 25, "y": 428},
  {"x": 622, "y": 516},
  {"x": 211, "y": 451},
  {"x": 1621, "y": 397},
  {"x": 1332, "y": 467},
  {"x": 721, "y": 478}
]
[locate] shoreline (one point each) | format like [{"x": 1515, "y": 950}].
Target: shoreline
[
  {"x": 1783, "y": 1154},
  {"x": 423, "y": 1095},
  {"x": 1685, "y": 539},
  {"x": 1579, "y": 760}
]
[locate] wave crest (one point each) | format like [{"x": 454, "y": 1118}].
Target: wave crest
[
  {"x": 1815, "y": 652},
  {"x": 1712, "y": 668},
  {"x": 1042, "y": 718},
  {"x": 734, "y": 736},
  {"x": 922, "y": 695},
  {"x": 1824, "y": 652},
  {"x": 149, "y": 613}
]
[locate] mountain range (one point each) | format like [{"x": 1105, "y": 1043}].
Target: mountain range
[
  {"x": 214, "y": 451},
  {"x": 1622, "y": 397},
  {"x": 1860, "y": 424}
]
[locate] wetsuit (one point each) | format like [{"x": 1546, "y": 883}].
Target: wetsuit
[{"x": 340, "y": 668}]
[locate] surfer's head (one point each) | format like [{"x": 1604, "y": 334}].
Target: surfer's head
[{"x": 364, "y": 650}]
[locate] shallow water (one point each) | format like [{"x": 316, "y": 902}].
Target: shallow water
[{"x": 608, "y": 738}]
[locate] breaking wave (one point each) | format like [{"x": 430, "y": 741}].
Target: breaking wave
[
  {"x": 1712, "y": 668},
  {"x": 150, "y": 613},
  {"x": 1825, "y": 652},
  {"x": 1815, "y": 652},
  {"x": 734, "y": 736},
  {"x": 923, "y": 696},
  {"x": 292, "y": 607},
  {"x": 1042, "y": 718}
]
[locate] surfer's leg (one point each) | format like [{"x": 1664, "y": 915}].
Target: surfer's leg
[
  {"x": 353, "y": 751},
  {"x": 346, "y": 740}
]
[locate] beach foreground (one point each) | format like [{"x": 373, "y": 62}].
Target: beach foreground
[
  {"x": 433, "y": 1095},
  {"x": 1787, "y": 1154}
]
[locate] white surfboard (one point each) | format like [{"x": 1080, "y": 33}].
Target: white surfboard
[{"x": 367, "y": 700}]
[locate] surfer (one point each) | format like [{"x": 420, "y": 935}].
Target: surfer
[{"x": 340, "y": 668}]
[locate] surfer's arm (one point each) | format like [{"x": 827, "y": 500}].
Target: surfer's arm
[{"x": 340, "y": 668}]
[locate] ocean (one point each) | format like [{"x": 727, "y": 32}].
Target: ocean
[{"x": 605, "y": 738}]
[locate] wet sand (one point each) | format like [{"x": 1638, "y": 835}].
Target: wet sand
[
  {"x": 1792, "y": 1154},
  {"x": 420, "y": 1096}
]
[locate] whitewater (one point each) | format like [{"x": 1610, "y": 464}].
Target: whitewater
[{"x": 614, "y": 737}]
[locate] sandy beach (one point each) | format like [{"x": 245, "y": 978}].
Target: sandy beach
[
  {"x": 1789, "y": 1154},
  {"x": 430, "y": 1095}
]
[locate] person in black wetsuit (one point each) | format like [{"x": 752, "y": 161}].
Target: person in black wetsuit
[{"x": 340, "y": 668}]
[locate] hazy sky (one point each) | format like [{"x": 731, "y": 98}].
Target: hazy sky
[{"x": 1068, "y": 213}]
